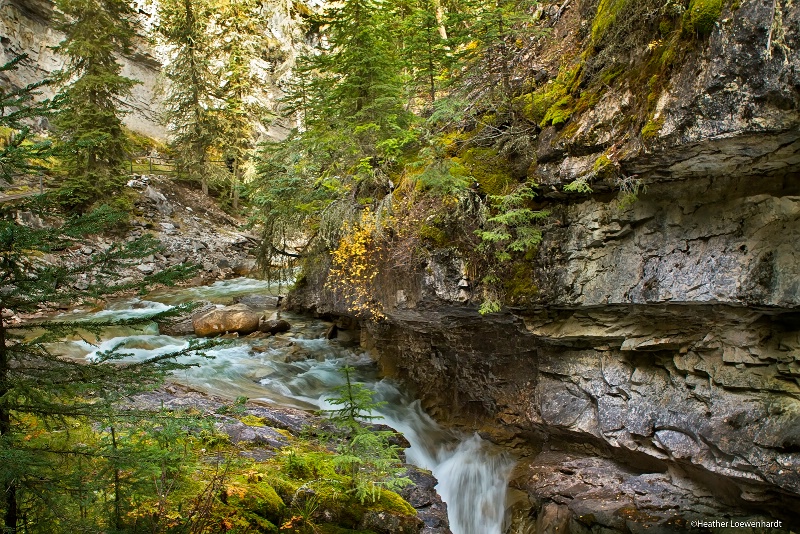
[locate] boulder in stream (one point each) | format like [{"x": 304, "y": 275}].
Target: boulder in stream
[
  {"x": 259, "y": 302},
  {"x": 274, "y": 326},
  {"x": 182, "y": 325},
  {"x": 237, "y": 318}
]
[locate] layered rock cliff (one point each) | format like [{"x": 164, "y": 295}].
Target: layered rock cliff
[
  {"x": 27, "y": 27},
  {"x": 654, "y": 378}
]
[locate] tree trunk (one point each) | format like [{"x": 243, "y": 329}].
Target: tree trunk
[
  {"x": 235, "y": 191},
  {"x": 440, "y": 18},
  {"x": 117, "y": 489},
  {"x": 11, "y": 515}
]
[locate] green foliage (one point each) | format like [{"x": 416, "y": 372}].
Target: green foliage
[
  {"x": 189, "y": 105},
  {"x": 89, "y": 125},
  {"x": 629, "y": 189},
  {"x": 512, "y": 228},
  {"x": 578, "y": 186},
  {"x": 366, "y": 457},
  {"x": 702, "y": 15},
  {"x": 423, "y": 45},
  {"x": 39, "y": 388},
  {"x": 490, "y": 305},
  {"x": 510, "y": 233},
  {"x": 20, "y": 155},
  {"x": 240, "y": 42},
  {"x": 491, "y": 35},
  {"x": 349, "y": 96}
]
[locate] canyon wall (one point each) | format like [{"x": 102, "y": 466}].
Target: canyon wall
[
  {"x": 26, "y": 27},
  {"x": 654, "y": 379}
]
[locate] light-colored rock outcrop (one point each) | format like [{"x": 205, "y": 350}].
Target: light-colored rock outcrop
[{"x": 237, "y": 318}]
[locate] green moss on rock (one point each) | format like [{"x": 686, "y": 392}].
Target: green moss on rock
[
  {"x": 560, "y": 112},
  {"x": 487, "y": 168},
  {"x": 702, "y": 16},
  {"x": 258, "y": 502},
  {"x": 606, "y": 16},
  {"x": 433, "y": 235},
  {"x": 520, "y": 284},
  {"x": 652, "y": 127}
]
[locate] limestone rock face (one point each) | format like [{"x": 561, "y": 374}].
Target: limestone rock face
[
  {"x": 26, "y": 27},
  {"x": 237, "y": 318}
]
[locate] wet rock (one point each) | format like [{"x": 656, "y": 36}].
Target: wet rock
[
  {"x": 237, "y": 318},
  {"x": 296, "y": 353},
  {"x": 182, "y": 325},
  {"x": 295, "y": 421},
  {"x": 245, "y": 267},
  {"x": 422, "y": 495},
  {"x": 239, "y": 432},
  {"x": 274, "y": 326},
  {"x": 384, "y": 522},
  {"x": 258, "y": 302}
]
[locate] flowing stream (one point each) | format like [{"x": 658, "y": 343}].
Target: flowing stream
[{"x": 472, "y": 473}]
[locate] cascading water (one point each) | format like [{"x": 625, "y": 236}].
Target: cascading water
[{"x": 472, "y": 473}]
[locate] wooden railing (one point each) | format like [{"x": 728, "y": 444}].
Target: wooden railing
[
  {"x": 159, "y": 165},
  {"x": 16, "y": 196}
]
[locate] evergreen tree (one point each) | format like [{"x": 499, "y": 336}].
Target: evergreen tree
[
  {"x": 350, "y": 99},
  {"x": 239, "y": 42},
  {"x": 41, "y": 389},
  {"x": 492, "y": 38},
  {"x": 89, "y": 121},
  {"x": 356, "y": 107},
  {"x": 189, "y": 106},
  {"x": 19, "y": 152},
  {"x": 423, "y": 44},
  {"x": 366, "y": 456}
]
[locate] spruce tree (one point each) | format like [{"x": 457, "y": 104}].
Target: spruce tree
[
  {"x": 422, "y": 40},
  {"x": 19, "y": 151},
  {"x": 350, "y": 98},
  {"x": 89, "y": 121},
  {"x": 492, "y": 38},
  {"x": 42, "y": 394},
  {"x": 42, "y": 390},
  {"x": 240, "y": 39},
  {"x": 189, "y": 106},
  {"x": 356, "y": 108}
]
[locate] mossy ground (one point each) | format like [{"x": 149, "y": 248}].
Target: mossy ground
[{"x": 210, "y": 485}]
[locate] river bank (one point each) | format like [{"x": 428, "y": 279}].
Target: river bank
[{"x": 300, "y": 369}]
